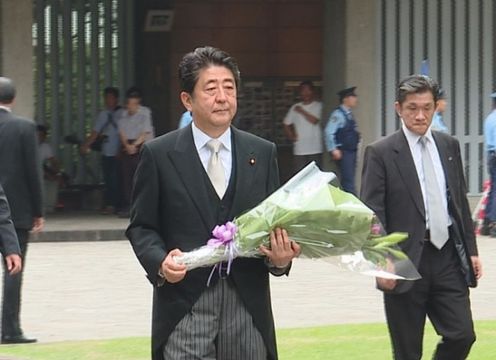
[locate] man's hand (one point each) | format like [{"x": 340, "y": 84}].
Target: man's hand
[
  {"x": 84, "y": 149},
  {"x": 172, "y": 271},
  {"x": 13, "y": 263},
  {"x": 385, "y": 284},
  {"x": 282, "y": 250},
  {"x": 131, "y": 149},
  {"x": 477, "y": 265},
  {"x": 38, "y": 224},
  {"x": 336, "y": 154}
]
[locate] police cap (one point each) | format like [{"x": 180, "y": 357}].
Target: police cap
[{"x": 347, "y": 92}]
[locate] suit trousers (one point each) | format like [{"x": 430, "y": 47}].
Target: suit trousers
[
  {"x": 11, "y": 325},
  {"x": 442, "y": 294},
  {"x": 218, "y": 327}
]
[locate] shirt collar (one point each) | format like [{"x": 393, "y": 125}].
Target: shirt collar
[
  {"x": 6, "y": 108},
  {"x": 413, "y": 138},
  {"x": 201, "y": 139}
]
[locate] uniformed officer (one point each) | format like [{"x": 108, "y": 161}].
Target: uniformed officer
[
  {"x": 437, "y": 120},
  {"x": 490, "y": 139},
  {"x": 342, "y": 138}
]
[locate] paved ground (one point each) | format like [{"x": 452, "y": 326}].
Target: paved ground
[{"x": 89, "y": 290}]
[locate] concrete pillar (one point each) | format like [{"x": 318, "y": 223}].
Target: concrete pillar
[
  {"x": 362, "y": 67},
  {"x": 16, "y": 51}
]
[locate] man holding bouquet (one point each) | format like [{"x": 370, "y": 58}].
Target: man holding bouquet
[
  {"x": 414, "y": 181},
  {"x": 187, "y": 182}
]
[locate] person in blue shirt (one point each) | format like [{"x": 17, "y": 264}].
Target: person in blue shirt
[
  {"x": 106, "y": 124},
  {"x": 186, "y": 119},
  {"x": 490, "y": 140},
  {"x": 342, "y": 138},
  {"x": 437, "y": 120}
]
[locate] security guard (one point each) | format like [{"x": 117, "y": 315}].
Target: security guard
[
  {"x": 437, "y": 120},
  {"x": 342, "y": 138},
  {"x": 490, "y": 139}
]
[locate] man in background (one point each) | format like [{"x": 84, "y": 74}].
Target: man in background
[
  {"x": 489, "y": 226},
  {"x": 20, "y": 176},
  {"x": 414, "y": 181},
  {"x": 106, "y": 125},
  {"x": 438, "y": 123},
  {"x": 302, "y": 126},
  {"x": 135, "y": 127},
  {"x": 342, "y": 138}
]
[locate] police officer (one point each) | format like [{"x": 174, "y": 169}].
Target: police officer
[
  {"x": 342, "y": 138},
  {"x": 437, "y": 120},
  {"x": 490, "y": 139}
]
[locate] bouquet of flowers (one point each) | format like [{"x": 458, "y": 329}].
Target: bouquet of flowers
[{"x": 325, "y": 221}]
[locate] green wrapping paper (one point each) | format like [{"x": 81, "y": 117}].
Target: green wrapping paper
[{"x": 327, "y": 223}]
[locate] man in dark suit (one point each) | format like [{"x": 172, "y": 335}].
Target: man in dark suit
[
  {"x": 414, "y": 181},
  {"x": 20, "y": 176},
  {"x": 187, "y": 182},
  {"x": 9, "y": 246}
]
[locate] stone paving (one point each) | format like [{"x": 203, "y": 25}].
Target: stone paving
[{"x": 97, "y": 289}]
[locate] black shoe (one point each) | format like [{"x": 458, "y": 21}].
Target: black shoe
[{"x": 18, "y": 339}]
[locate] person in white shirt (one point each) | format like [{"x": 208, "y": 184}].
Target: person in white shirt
[
  {"x": 53, "y": 179},
  {"x": 302, "y": 126}
]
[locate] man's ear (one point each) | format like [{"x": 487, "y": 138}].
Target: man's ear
[
  {"x": 186, "y": 100},
  {"x": 397, "y": 107}
]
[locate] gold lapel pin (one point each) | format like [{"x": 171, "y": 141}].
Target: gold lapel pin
[{"x": 252, "y": 161}]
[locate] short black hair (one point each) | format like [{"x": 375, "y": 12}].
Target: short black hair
[
  {"x": 111, "y": 90},
  {"x": 308, "y": 83},
  {"x": 416, "y": 84},
  {"x": 192, "y": 63},
  {"x": 133, "y": 93},
  {"x": 7, "y": 90},
  {"x": 42, "y": 128}
]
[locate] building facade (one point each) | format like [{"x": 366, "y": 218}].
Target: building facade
[{"x": 62, "y": 53}]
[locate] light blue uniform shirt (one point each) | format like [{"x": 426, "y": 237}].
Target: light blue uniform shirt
[
  {"x": 185, "y": 120},
  {"x": 490, "y": 131},
  {"x": 337, "y": 120},
  {"x": 438, "y": 123},
  {"x": 111, "y": 146}
]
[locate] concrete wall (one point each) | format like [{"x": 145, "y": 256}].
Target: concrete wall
[{"x": 16, "y": 20}]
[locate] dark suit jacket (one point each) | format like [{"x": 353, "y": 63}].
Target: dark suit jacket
[
  {"x": 20, "y": 168},
  {"x": 171, "y": 210},
  {"x": 390, "y": 187},
  {"x": 8, "y": 238}
]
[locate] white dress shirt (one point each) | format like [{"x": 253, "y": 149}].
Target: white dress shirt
[
  {"x": 225, "y": 153},
  {"x": 416, "y": 150}
]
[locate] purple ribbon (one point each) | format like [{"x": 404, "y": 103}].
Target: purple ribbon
[{"x": 223, "y": 236}]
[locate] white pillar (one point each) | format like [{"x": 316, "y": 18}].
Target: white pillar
[{"x": 16, "y": 31}]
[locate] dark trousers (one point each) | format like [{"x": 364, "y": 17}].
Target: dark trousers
[
  {"x": 11, "y": 325},
  {"x": 300, "y": 161},
  {"x": 129, "y": 164},
  {"x": 111, "y": 176},
  {"x": 443, "y": 296},
  {"x": 347, "y": 168},
  {"x": 491, "y": 199}
]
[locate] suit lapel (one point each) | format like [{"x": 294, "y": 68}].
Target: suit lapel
[
  {"x": 406, "y": 167},
  {"x": 246, "y": 166},
  {"x": 187, "y": 163}
]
